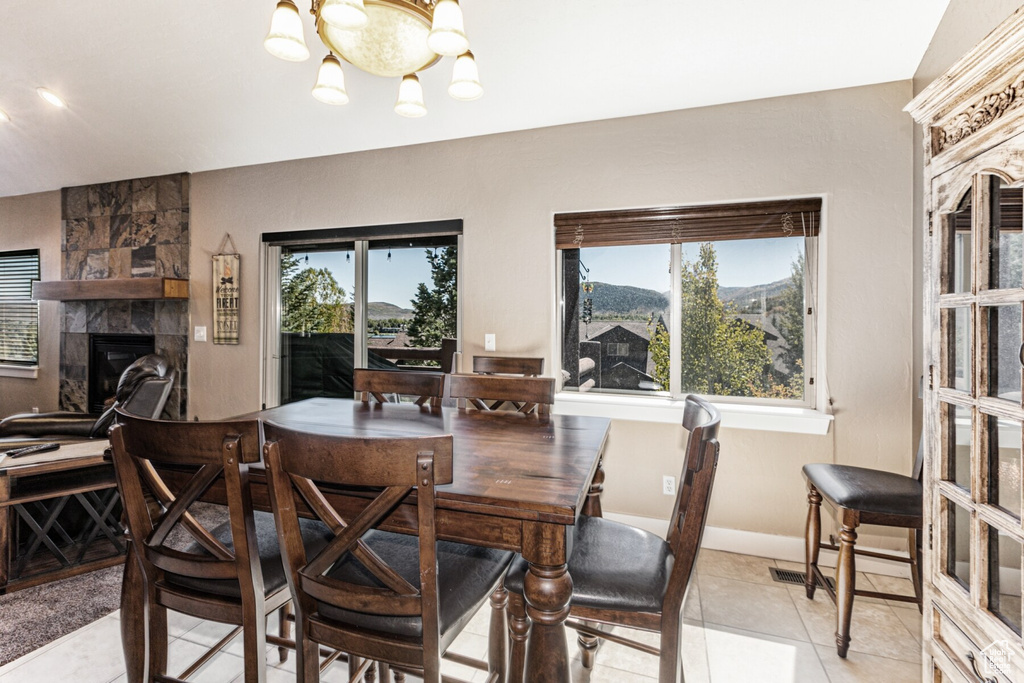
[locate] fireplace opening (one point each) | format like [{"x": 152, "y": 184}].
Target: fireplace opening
[{"x": 109, "y": 355}]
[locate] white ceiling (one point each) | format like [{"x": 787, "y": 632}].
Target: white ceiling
[{"x": 185, "y": 85}]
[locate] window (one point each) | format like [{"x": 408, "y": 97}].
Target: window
[
  {"x": 19, "y": 314},
  {"x": 377, "y": 297},
  {"x": 618, "y": 349},
  {"x": 711, "y": 300}
]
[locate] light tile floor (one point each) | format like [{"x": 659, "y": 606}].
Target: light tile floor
[{"x": 739, "y": 626}]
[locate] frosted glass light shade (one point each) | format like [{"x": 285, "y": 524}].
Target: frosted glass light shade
[
  {"x": 52, "y": 97},
  {"x": 393, "y": 43},
  {"x": 447, "y": 34},
  {"x": 4, "y": 118},
  {"x": 330, "y": 82},
  {"x": 285, "y": 40},
  {"x": 410, "y": 98},
  {"x": 465, "y": 83},
  {"x": 344, "y": 14}
]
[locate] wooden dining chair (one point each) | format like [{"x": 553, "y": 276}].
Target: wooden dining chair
[
  {"x": 232, "y": 573},
  {"x": 491, "y": 392},
  {"x": 375, "y": 594},
  {"x": 623, "y": 576},
  {"x": 508, "y": 365},
  {"x": 860, "y": 495},
  {"x": 386, "y": 386}
]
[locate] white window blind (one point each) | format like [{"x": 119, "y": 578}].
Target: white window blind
[{"x": 19, "y": 314}]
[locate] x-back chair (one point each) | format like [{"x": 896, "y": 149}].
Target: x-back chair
[
  {"x": 629, "y": 577},
  {"x": 383, "y": 385},
  {"x": 490, "y": 392},
  {"x": 396, "y": 598},
  {"x": 231, "y": 573},
  {"x": 508, "y": 365}
]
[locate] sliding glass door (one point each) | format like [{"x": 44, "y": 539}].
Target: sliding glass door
[
  {"x": 317, "y": 322},
  {"x": 412, "y": 301},
  {"x": 333, "y": 305}
]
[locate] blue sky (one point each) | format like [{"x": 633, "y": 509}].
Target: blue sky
[
  {"x": 393, "y": 282},
  {"x": 741, "y": 263}
]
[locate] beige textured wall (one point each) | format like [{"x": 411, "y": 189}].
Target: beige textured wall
[
  {"x": 852, "y": 145},
  {"x": 33, "y": 222}
]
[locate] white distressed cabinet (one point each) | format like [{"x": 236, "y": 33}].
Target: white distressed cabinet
[{"x": 973, "y": 120}]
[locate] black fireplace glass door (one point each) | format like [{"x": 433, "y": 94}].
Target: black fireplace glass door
[{"x": 109, "y": 356}]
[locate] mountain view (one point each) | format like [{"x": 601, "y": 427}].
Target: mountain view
[
  {"x": 742, "y": 296},
  {"x": 621, "y": 301},
  {"x": 381, "y": 310}
]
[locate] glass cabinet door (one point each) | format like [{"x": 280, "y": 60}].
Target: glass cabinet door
[
  {"x": 1004, "y": 464},
  {"x": 1004, "y": 235},
  {"x": 958, "y": 249},
  {"x": 978, "y": 471}
]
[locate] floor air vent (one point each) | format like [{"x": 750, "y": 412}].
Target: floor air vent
[{"x": 795, "y": 578}]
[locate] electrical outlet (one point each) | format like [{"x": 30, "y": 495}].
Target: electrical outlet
[
  {"x": 200, "y": 335},
  {"x": 488, "y": 342},
  {"x": 668, "y": 485}
]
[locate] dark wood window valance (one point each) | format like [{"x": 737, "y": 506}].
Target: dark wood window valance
[
  {"x": 709, "y": 223},
  {"x": 393, "y": 231}
]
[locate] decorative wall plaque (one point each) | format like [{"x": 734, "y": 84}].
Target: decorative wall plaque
[{"x": 226, "y": 294}]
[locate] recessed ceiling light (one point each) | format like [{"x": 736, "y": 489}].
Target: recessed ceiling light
[
  {"x": 4, "y": 118},
  {"x": 52, "y": 97}
]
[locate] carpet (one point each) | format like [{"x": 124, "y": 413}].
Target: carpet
[{"x": 33, "y": 617}]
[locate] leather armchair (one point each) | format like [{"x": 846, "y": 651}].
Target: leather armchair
[{"x": 142, "y": 390}]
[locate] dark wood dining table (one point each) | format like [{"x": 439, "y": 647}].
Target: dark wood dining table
[{"x": 520, "y": 483}]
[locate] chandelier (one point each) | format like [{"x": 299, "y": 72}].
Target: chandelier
[{"x": 387, "y": 38}]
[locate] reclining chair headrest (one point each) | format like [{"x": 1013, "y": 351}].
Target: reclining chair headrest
[
  {"x": 147, "y": 367},
  {"x": 152, "y": 366}
]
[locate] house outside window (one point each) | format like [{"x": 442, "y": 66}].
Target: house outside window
[
  {"x": 710, "y": 300},
  {"x": 19, "y": 314}
]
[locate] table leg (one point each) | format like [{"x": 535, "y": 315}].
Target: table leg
[
  {"x": 497, "y": 644},
  {"x": 592, "y": 505},
  {"x": 134, "y": 620},
  {"x": 547, "y": 589},
  {"x": 5, "y": 532}
]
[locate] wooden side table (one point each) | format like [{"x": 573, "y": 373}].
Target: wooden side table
[{"x": 39, "y": 494}]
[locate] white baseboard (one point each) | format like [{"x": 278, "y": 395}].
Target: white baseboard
[{"x": 786, "y": 548}]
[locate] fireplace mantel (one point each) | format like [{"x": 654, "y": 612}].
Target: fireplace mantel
[{"x": 124, "y": 288}]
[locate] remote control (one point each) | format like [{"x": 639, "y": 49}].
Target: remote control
[{"x": 32, "y": 450}]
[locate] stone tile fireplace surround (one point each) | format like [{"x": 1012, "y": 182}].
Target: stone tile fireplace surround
[{"x": 125, "y": 229}]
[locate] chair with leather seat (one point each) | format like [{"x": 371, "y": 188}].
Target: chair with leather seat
[
  {"x": 388, "y": 386},
  {"x": 624, "y": 576},
  {"x": 860, "y": 495},
  {"x": 142, "y": 390},
  {"x": 396, "y": 598},
  {"x": 231, "y": 573}
]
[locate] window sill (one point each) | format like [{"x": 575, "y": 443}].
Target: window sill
[
  {"x": 22, "y": 371},
  {"x": 659, "y": 409}
]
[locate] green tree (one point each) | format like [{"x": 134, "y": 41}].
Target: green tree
[
  {"x": 659, "y": 350},
  {"x": 434, "y": 309},
  {"x": 791, "y": 317},
  {"x": 721, "y": 353},
  {"x": 312, "y": 300}
]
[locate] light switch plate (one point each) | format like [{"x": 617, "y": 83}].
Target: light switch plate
[
  {"x": 488, "y": 342},
  {"x": 200, "y": 334}
]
